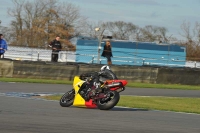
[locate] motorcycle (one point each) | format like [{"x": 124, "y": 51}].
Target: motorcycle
[{"x": 84, "y": 96}]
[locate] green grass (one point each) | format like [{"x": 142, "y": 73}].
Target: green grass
[
  {"x": 187, "y": 105},
  {"x": 28, "y": 80},
  {"x": 177, "y": 104},
  {"x": 134, "y": 85},
  {"x": 164, "y": 86}
]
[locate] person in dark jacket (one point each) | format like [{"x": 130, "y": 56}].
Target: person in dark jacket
[
  {"x": 3, "y": 46},
  {"x": 56, "y": 48},
  {"x": 107, "y": 52}
]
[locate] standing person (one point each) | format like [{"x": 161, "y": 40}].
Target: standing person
[
  {"x": 56, "y": 48},
  {"x": 107, "y": 52},
  {"x": 3, "y": 46}
]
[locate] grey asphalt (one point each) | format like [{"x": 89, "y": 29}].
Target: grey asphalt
[
  {"x": 60, "y": 88},
  {"x": 30, "y": 115}
]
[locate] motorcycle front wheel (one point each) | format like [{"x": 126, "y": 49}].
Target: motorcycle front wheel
[
  {"x": 67, "y": 99},
  {"x": 108, "y": 102}
]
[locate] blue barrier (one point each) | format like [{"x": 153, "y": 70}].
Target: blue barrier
[{"x": 132, "y": 53}]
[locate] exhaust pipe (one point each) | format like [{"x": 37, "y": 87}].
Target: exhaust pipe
[
  {"x": 120, "y": 89},
  {"x": 114, "y": 84}
]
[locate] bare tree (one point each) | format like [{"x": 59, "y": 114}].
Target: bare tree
[
  {"x": 6, "y": 33},
  {"x": 162, "y": 31},
  {"x": 121, "y": 30},
  {"x": 192, "y": 40},
  {"x": 186, "y": 31},
  {"x": 128, "y": 31},
  {"x": 89, "y": 29},
  {"x": 17, "y": 24},
  {"x": 153, "y": 33},
  {"x": 196, "y": 32},
  {"x": 72, "y": 19},
  {"x": 37, "y": 23}
]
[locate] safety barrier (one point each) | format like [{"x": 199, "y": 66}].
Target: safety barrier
[{"x": 36, "y": 54}]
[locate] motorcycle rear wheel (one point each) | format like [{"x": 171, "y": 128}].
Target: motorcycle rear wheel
[
  {"x": 110, "y": 102},
  {"x": 67, "y": 99}
]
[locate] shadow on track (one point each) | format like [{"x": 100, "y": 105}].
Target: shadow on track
[
  {"x": 114, "y": 109},
  {"x": 127, "y": 109}
]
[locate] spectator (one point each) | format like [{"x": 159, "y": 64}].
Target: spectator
[
  {"x": 56, "y": 48},
  {"x": 3, "y": 46},
  {"x": 107, "y": 52}
]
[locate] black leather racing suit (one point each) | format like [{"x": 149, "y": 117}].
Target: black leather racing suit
[
  {"x": 96, "y": 78},
  {"x": 99, "y": 76}
]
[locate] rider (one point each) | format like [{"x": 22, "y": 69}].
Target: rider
[{"x": 104, "y": 73}]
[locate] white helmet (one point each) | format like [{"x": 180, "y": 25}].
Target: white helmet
[{"x": 105, "y": 67}]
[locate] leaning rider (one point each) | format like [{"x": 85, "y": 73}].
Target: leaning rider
[{"x": 95, "y": 82}]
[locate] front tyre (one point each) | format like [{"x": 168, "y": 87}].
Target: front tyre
[
  {"x": 67, "y": 99},
  {"x": 109, "y": 102}
]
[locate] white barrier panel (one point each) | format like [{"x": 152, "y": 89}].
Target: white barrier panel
[{"x": 34, "y": 54}]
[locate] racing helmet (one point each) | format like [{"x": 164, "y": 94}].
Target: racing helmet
[{"x": 105, "y": 67}]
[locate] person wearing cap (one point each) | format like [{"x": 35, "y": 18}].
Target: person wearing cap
[
  {"x": 3, "y": 46},
  {"x": 107, "y": 52}
]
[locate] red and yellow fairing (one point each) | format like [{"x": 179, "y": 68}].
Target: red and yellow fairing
[{"x": 78, "y": 100}]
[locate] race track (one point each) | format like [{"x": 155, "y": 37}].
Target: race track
[{"x": 31, "y": 115}]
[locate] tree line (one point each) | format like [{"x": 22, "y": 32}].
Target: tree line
[{"x": 36, "y": 23}]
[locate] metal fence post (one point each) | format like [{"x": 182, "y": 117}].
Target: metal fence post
[
  {"x": 143, "y": 60},
  {"x": 92, "y": 59},
  {"x": 99, "y": 47},
  {"x": 38, "y": 56}
]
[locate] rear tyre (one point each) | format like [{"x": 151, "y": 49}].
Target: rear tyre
[
  {"x": 109, "y": 102},
  {"x": 67, "y": 99}
]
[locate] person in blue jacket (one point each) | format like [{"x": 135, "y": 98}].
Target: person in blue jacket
[{"x": 3, "y": 46}]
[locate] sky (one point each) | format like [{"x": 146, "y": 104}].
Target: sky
[{"x": 165, "y": 13}]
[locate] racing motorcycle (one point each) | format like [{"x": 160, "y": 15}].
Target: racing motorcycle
[{"x": 84, "y": 95}]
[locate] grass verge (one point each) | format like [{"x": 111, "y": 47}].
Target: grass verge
[
  {"x": 175, "y": 104},
  {"x": 28, "y": 80},
  {"x": 136, "y": 85},
  {"x": 164, "y": 86}
]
